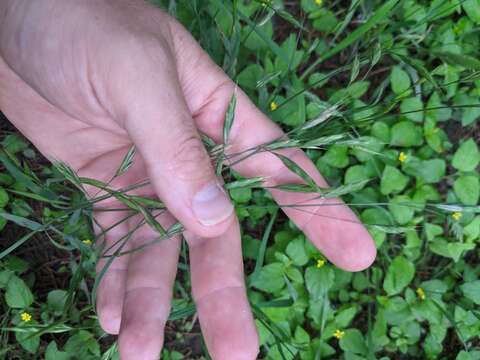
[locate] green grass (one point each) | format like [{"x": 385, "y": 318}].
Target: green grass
[{"x": 385, "y": 98}]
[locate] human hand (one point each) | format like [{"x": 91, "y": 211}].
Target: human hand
[{"x": 108, "y": 74}]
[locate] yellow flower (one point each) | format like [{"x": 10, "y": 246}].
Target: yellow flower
[
  {"x": 421, "y": 293},
  {"x": 320, "y": 263},
  {"x": 402, "y": 157},
  {"x": 339, "y": 334},
  {"x": 457, "y": 216},
  {"x": 273, "y": 106},
  {"x": 26, "y": 317}
]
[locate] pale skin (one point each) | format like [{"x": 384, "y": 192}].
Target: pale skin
[{"x": 84, "y": 81}]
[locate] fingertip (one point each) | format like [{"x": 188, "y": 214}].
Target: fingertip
[
  {"x": 360, "y": 257},
  {"x": 109, "y": 301},
  {"x": 359, "y": 252},
  {"x": 110, "y": 319}
]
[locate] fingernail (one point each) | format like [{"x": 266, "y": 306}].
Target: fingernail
[{"x": 211, "y": 205}]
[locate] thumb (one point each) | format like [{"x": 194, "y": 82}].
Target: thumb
[{"x": 153, "y": 110}]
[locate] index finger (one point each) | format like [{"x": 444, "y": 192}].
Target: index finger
[{"x": 334, "y": 229}]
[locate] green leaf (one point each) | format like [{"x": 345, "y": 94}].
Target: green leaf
[
  {"x": 430, "y": 171},
  {"x": 18, "y": 294},
  {"x": 457, "y": 249},
  {"x": 412, "y": 108},
  {"x": 336, "y": 156},
  {"x": 82, "y": 345},
  {"x": 472, "y": 291},
  {"x": 467, "y": 188},
  {"x": 270, "y": 278},
  {"x": 241, "y": 195},
  {"x": 3, "y": 198},
  {"x": 399, "y": 274},
  {"x": 56, "y": 301},
  {"x": 472, "y": 230},
  {"x": 393, "y": 180},
  {"x": 353, "y": 342},
  {"x": 344, "y": 317},
  {"x": 296, "y": 251},
  {"x": 401, "y": 208},
  {"x": 406, "y": 134},
  {"x": 318, "y": 281},
  {"x": 52, "y": 353},
  {"x": 27, "y": 341},
  {"x": 400, "y": 81},
  {"x": 472, "y": 8},
  {"x": 467, "y": 156}
]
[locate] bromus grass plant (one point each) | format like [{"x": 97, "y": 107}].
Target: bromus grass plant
[{"x": 384, "y": 97}]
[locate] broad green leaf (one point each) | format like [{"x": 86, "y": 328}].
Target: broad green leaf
[
  {"x": 28, "y": 342},
  {"x": 318, "y": 281},
  {"x": 241, "y": 195},
  {"x": 406, "y": 134},
  {"x": 18, "y": 294},
  {"x": 56, "y": 301},
  {"x": 52, "y": 353},
  {"x": 472, "y": 230},
  {"x": 472, "y": 8},
  {"x": 270, "y": 278},
  {"x": 3, "y": 198},
  {"x": 344, "y": 317},
  {"x": 401, "y": 209},
  {"x": 249, "y": 76},
  {"x": 381, "y": 131},
  {"x": 400, "y": 81},
  {"x": 467, "y": 156},
  {"x": 355, "y": 174},
  {"x": 467, "y": 188},
  {"x": 472, "y": 291},
  {"x": 429, "y": 171},
  {"x": 353, "y": 342},
  {"x": 399, "y": 275},
  {"x": 82, "y": 345},
  {"x": 457, "y": 249},
  {"x": 336, "y": 156},
  {"x": 393, "y": 180},
  {"x": 296, "y": 251},
  {"x": 412, "y": 108}
]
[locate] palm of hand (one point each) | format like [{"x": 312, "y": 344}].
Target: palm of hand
[{"x": 133, "y": 91}]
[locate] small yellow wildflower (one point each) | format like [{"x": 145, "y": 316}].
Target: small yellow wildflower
[
  {"x": 339, "y": 334},
  {"x": 320, "y": 263},
  {"x": 87, "y": 242},
  {"x": 273, "y": 106},
  {"x": 319, "y": 2},
  {"x": 457, "y": 216},
  {"x": 26, "y": 317},
  {"x": 402, "y": 157},
  {"x": 421, "y": 293}
]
